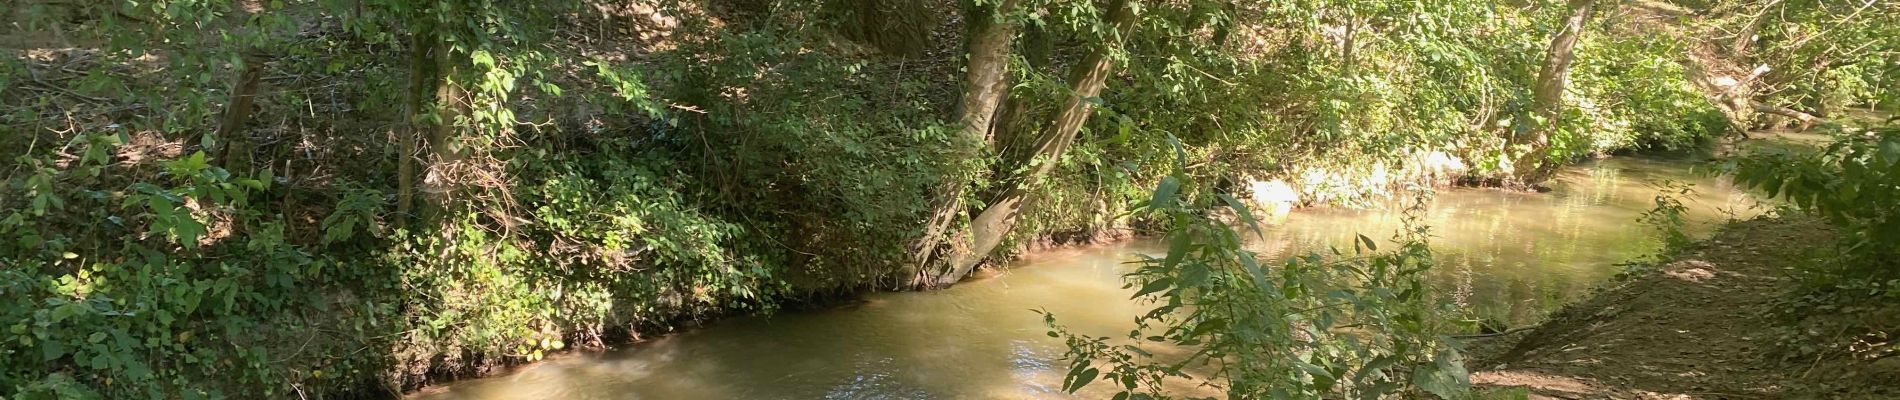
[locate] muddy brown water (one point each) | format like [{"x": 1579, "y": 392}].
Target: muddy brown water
[{"x": 1505, "y": 256}]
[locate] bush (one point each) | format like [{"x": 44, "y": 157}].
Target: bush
[
  {"x": 180, "y": 286},
  {"x": 1845, "y": 304},
  {"x": 1852, "y": 183},
  {"x": 1359, "y": 326},
  {"x": 191, "y": 284}
]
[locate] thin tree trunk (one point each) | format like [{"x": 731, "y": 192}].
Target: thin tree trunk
[
  {"x": 445, "y": 150},
  {"x": 1347, "y": 45},
  {"x": 422, "y": 83},
  {"x": 986, "y": 85},
  {"x": 232, "y": 150},
  {"x": 1534, "y": 165},
  {"x": 1087, "y": 80},
  {"x": 238, "y": 112}
]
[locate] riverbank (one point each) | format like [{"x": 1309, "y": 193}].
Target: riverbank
[
  {"x": 1701, "y": 326},
  {"x": 1516, "y": 256},
  {"x": 351, "y": 199}
]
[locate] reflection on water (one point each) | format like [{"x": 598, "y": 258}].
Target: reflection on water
[{"x": 1508, "y": 256}]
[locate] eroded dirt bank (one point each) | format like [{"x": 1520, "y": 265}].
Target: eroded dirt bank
[{"x": 1702, "y": 326}]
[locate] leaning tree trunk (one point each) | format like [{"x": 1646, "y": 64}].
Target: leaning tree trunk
[
  {"x": 986, "y": 85},
  {"x": 1534, "y": 164},
  {"x": 988, "y": 228}
]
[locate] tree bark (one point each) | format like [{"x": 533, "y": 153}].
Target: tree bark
[
  {"x": 986, "y": 84},
  {"x": 232, "y": 150},
  {"x": 238, "y": 112},
  {"x": 445, "y": 147},
  {"x": 1088, "y": 78},
  {"x": 422, "y": 84},
  {"x": 1534, "y": 166},
  {"x": 1807, "y": 120},
  {"x": 987, "y": 77}
]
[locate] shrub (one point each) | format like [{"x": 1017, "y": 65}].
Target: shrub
[
  {"x": 1360, "y": 325},
  {"x": 1852, "y": 183}
]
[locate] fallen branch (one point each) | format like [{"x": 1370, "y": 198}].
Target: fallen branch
[
  {"x": 1807, "y": 120},
  {"x": 1492, "y": 334}
]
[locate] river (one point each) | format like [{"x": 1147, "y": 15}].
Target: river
[{"x": 1505, "y": 256}]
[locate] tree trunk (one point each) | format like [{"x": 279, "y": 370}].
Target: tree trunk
[
  {"x": 422, "y": 83},
  {"x": 230, "y": 149},
  {"x": 1534, "y": 166},
  {"x": 1087, "y": 80},
  {"x": 445, "y": 148},
  {"x": 238, "y": 112},
  {"x": 986, "y": 84}
]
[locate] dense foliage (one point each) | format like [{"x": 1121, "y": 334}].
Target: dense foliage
[
  {"x": 1823, "y": 58},
  {"x": 227, "y": 198},
  {"x": 1851, "y": 183},
  {"x": 1838, "y": 62},
  {"x": 1358, "y": 325},
  {"x": 1844, "y": 305}
]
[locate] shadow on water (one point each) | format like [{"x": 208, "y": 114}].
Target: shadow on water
[{"x": 1506, "y": 256}]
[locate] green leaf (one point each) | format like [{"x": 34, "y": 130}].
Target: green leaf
[
  {"x": 1376, "y": 366},
  {"x": 254, "y": 184},
  {"x": 1194, "y": 274},
  {"x": 1253, "y": 269},
  {"x": 1890, "y": 150},
  {"x": 1246, "y": 215},
  {"x": 1321, "y": 377},
  {"x": 51, "y": 350},
  {"x": 1180, "y": 152},
  {"x": 1078, "y": 380},
  {"x": 1210, "y": 325},
  {"x": 1178, "y": 247},
  {"x": 1154, "y": 286},
  {"x": 197, "y": 161},
  {"x": 1379, "y": 390},
  {"x": 1165, "y": 193},
  {"x": 1124, "y": 129},
  {"x": 1446, "y": 378}
]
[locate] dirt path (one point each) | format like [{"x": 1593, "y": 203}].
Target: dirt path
[{"x": 1699, "y": 327}]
